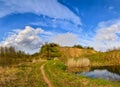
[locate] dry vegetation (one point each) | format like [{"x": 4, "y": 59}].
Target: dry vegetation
[
  {"x": 24, "y": 75},
  {"x": 81, "y": 62},
  {"x": 70, "y": 52}
]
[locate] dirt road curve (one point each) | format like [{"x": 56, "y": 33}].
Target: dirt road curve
[{"x": 45, "y": 77}]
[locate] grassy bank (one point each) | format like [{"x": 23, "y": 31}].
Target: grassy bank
[
  {"x": 24, "y": 75},
  {"x": 110, "y": 58},
  {"x": 55, "y": 70},
  {"x": 105, "y": 58}
]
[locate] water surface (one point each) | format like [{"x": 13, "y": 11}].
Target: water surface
[{"x": 111, "y": 73}]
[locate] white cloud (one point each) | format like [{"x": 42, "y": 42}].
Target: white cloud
[
  {"x": 50, "y": 8},
  {"x": 107, "y": 36},
  {"x": 108, "y": 33},
  {"x": 27, "y": 39},
  {"x": 65, "y": 39},
  {"x": 59, "y": 24}
]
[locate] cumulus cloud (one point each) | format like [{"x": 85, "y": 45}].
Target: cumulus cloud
[
  {"x": 50, "y": 8},
  {"x": 27, "y": 39},
  {"x": 107, "y": 35},
  {"x": 65, "y": 39}
]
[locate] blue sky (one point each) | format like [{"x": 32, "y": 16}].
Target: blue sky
[{"x": 26, "y": 24}]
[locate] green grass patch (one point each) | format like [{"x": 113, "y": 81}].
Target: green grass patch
[{"x": 55, "y": 70}]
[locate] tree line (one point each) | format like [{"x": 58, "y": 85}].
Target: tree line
[{"x": 9, "y": 55}]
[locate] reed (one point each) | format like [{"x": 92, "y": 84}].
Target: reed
[{"x": 81, "y": 62}]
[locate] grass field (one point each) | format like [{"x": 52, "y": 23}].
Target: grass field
[
  {"x": 29, "y": 75},
  {"x": 55, "y": 70},
  {"x": 24, "y": 75}
]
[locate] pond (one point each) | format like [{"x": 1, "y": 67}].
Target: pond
[{"x": 111, "y": 73}]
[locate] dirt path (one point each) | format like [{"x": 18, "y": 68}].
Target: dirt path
[{"x": 45, "y": 77}]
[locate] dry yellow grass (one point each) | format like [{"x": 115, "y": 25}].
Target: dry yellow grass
[
  {"x": 81, "y": 62},
  {"x": 69, "y": 52}
]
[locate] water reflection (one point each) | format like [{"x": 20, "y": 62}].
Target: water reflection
[
  {"x": 105, "y": 74},
  {"x": 78, "y": 70},
  {"x": 114, "y": 69}
]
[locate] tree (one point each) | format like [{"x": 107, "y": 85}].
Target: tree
[
  {"x": 50, "y": 50},
  {"x": 78, "y": 46},
  {"x": 8, "y": 55}
]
